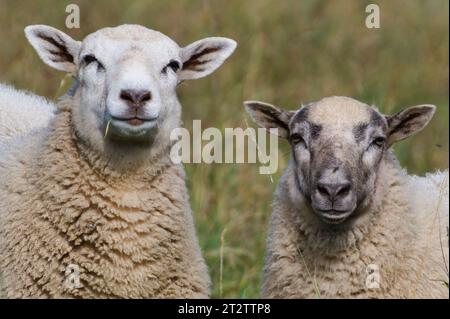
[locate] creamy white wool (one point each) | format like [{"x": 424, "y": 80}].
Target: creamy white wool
[
  {"x": 429, "y": 197},
  {"x": 130, "y": 233},
  {"x": 22, "y": 111}
]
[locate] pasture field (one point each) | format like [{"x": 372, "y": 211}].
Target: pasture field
[{"x": 289, "y": 52}]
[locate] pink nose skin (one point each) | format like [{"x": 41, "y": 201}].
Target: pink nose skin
[{"x": 135, "y": 98}]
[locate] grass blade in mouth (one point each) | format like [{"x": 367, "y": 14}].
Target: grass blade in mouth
[{"x": 107, "y": 129}]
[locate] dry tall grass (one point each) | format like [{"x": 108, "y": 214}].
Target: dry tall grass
[{"x": 289, "y": 52}]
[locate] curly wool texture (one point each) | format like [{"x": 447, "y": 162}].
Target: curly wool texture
[
  {"x": 131, "y": 235},
  {"x": 21, "y": 112},
  {"x": 404, "y": 238}
]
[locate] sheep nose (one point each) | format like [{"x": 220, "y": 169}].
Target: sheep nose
[
  {"x": 135, "y": 98},
  {"x": 334, "y": 191}
]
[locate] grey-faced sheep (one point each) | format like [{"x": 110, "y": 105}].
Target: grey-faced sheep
[
  {"x": 347, "y": 219},
  {"x": 92, "y": 205}
]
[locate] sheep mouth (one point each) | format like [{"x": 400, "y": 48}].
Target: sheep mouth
[
  {"x": 134, "y": 121},
  {"x": 334, "y": 217},
  {"x": 131, "y": 129}
]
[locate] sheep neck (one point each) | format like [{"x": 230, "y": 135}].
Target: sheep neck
[
  {"x": 64, "y": 138},
  {"x": 118, "y": 228}
]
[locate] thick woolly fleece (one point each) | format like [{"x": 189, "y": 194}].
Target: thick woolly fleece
[
  {"x": 401, "y": 243},
  {"x": 131, "y": 235},
  {"x": 21, "y": 112}
]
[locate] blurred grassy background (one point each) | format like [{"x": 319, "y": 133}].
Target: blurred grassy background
[{"x": 289, "y": 52}]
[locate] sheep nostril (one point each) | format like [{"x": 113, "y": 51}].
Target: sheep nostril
[
  {"x": 147, "y": 96},
  {"x": 343, "y": 191},
  {"x": 135, "y": 97},
  {"x": 125, "y": 95},
  {"x": 322, "y": 190},
  {"x": 333, "y": 191}
]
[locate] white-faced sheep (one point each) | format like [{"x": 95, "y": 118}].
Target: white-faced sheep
[
  {"x": 347, "y": 219},
  {"x": 92, "y": 205},
  {"x": 21, "y": 112}
]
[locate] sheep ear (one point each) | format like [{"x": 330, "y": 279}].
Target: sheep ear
[
  {"x": 270, "y": 117},
  {"x": 408, "y": 122},
  {"x": 203, "y": 57},
  {"x": 54, "y": 47}
]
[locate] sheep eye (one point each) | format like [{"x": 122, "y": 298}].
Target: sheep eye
[
  {"x": 174, "y": 65},
  {"x": 88, "y": 59},
  {"x": 378, "y": 141},
  {"x": 297, "y": 139}
]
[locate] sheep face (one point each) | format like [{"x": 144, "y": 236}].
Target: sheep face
[
  {"x": 127, "y": 78},
  {"x": 338, "y": 145}
]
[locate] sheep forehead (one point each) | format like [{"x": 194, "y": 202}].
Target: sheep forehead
[
  {"x": 339, "y": 113},
  {"x": 128, "y": 32},
  {"x": 340, "y": 118},
  {"x": 130, "y": 38}
]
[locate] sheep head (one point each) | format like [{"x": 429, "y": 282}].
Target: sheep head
[
  {"x": 127, "y": 78},
  {"x": 337, "y": 146}
]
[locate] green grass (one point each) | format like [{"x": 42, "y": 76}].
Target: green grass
[{"x": 289, "y": 52}]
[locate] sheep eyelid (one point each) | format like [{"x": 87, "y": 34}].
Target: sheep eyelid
[
  {"x": 89, "y": 58},
  {"x": 378, "y": 141},
  {"x": 297, "y": 139},
  {"x": 174, "y": 65}
]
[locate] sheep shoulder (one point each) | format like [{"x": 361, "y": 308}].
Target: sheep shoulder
[
  {"x": 22, "y": 111},
  {"x": 429, "y": 197}
]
